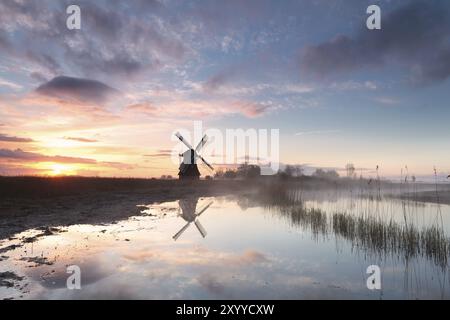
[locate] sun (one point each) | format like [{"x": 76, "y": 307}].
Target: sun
[{"x": 58, "y": 169}]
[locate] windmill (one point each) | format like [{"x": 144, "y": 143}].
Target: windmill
[
  {"x": 188, "y": 208},
  {"x": 188, "y": 168}
]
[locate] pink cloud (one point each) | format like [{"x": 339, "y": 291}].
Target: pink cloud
[
  {"x": 251, "y": 109},
  {"x": 25, "y": 157},
  {"x": 199, "y": 108},
  {"x": 145, "y": 107}
]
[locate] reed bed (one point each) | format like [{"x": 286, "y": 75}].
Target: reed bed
[
  {"x": 374, "y": 230},
  {"x": 392, "y": 238}
]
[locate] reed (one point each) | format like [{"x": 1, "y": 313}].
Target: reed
[{"x": 369, "y": 232}]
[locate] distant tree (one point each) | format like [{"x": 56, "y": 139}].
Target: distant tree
[
  {"x": 319, "y": 173},
  {"x": 230, "y": 174},
  {"x": 163, "y": 177},
  {"x": 330, "y": 174},
  {"x": 208, "y": 178},
  {"x": 289, "y": 170},
  {"x": 218, "y": 174},
  {"x": 350, "y": 169},
  {"x": 298, "y": 171},
  {"x": 282, "y": 175},
  {"x": 247, "y": 171}
]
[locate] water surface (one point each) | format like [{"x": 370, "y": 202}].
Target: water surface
[{"x": 241, "y": 248}]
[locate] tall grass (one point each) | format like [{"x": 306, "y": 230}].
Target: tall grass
[
  {"x": 369, "y": 231},
  {"x": 394, "y": 239}
]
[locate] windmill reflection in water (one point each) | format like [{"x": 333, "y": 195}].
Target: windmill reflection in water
[{"x": 190, "y": 215}]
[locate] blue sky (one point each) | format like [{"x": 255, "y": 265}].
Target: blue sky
[{"x": 102, "y": 100}]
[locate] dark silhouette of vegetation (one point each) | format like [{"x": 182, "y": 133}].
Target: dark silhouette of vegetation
[
  {"x": 369, "y": 233},
  {"x": 322, "y": 174},
  {"x": 351, "y": 170},
  {"x": 244, "y": 171},
  {"x": 248, "y": 171},
  {"x": 230, "y": 174}
]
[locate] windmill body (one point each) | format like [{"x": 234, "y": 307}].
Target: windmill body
[{"x": 188, "y": 168}]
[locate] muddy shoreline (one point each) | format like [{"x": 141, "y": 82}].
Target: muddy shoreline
[{"x": 104, "y": 205}]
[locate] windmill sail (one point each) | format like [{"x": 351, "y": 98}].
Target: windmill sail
[
  {"x": 180, "y": 137},
  {"x": 204, "y": 209},
  {"x": 201, "y": 143},
  {"x": 200, "y": 228},
  {"x": 205, "y": 162},
  {"x": 179, "y": 233}
]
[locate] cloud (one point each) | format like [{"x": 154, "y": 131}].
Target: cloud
[
  {"x": 211, "y": 284},
  {"x": 66, "y": 112},
  {"x": 303, "y": 133},
  {"x": 201, "y": 108},
  {"x": 230, "y": 43},
  {"x": 220, "y": 79},
  {"x": 201, "y": 256},
  {"x": 116, "y": 41},
  {"x": 7, "y": 138},
  {"x": 9, "y": 84},
  {"x": 388, "y": 101},
  {"x": 38, "y": 77},
  {"x": 160, "y": 154},
  {"x": 415, "y": 36},
  {"x": 234, "y": 89},
  {"x": 234, "y": 74},
  {"x": 222, "y": 16},
  {"x": 19, "y": 154},
  {"x": 353, "y": 85},
  {"x": 78, "y": 139},
  {"x": 4, "y": 42},
  {"x": 76, "y": 89},
  {"x": 145, "y": 108},
  {"x": 251, "y": 109},
  {"x": 17, "y": 169},
  {"x": 105, "y": 22},
  {"x": 25, "y": 156},
  {"x": 117, "y": 165},
  {"x": 253, "y": 256},
  {"x": 120, "y": 65}
]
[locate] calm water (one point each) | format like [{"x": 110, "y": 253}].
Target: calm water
[{"x": 239, "y": 249}]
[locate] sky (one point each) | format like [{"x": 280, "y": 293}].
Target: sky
[{"x": 105, "y": 100}]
